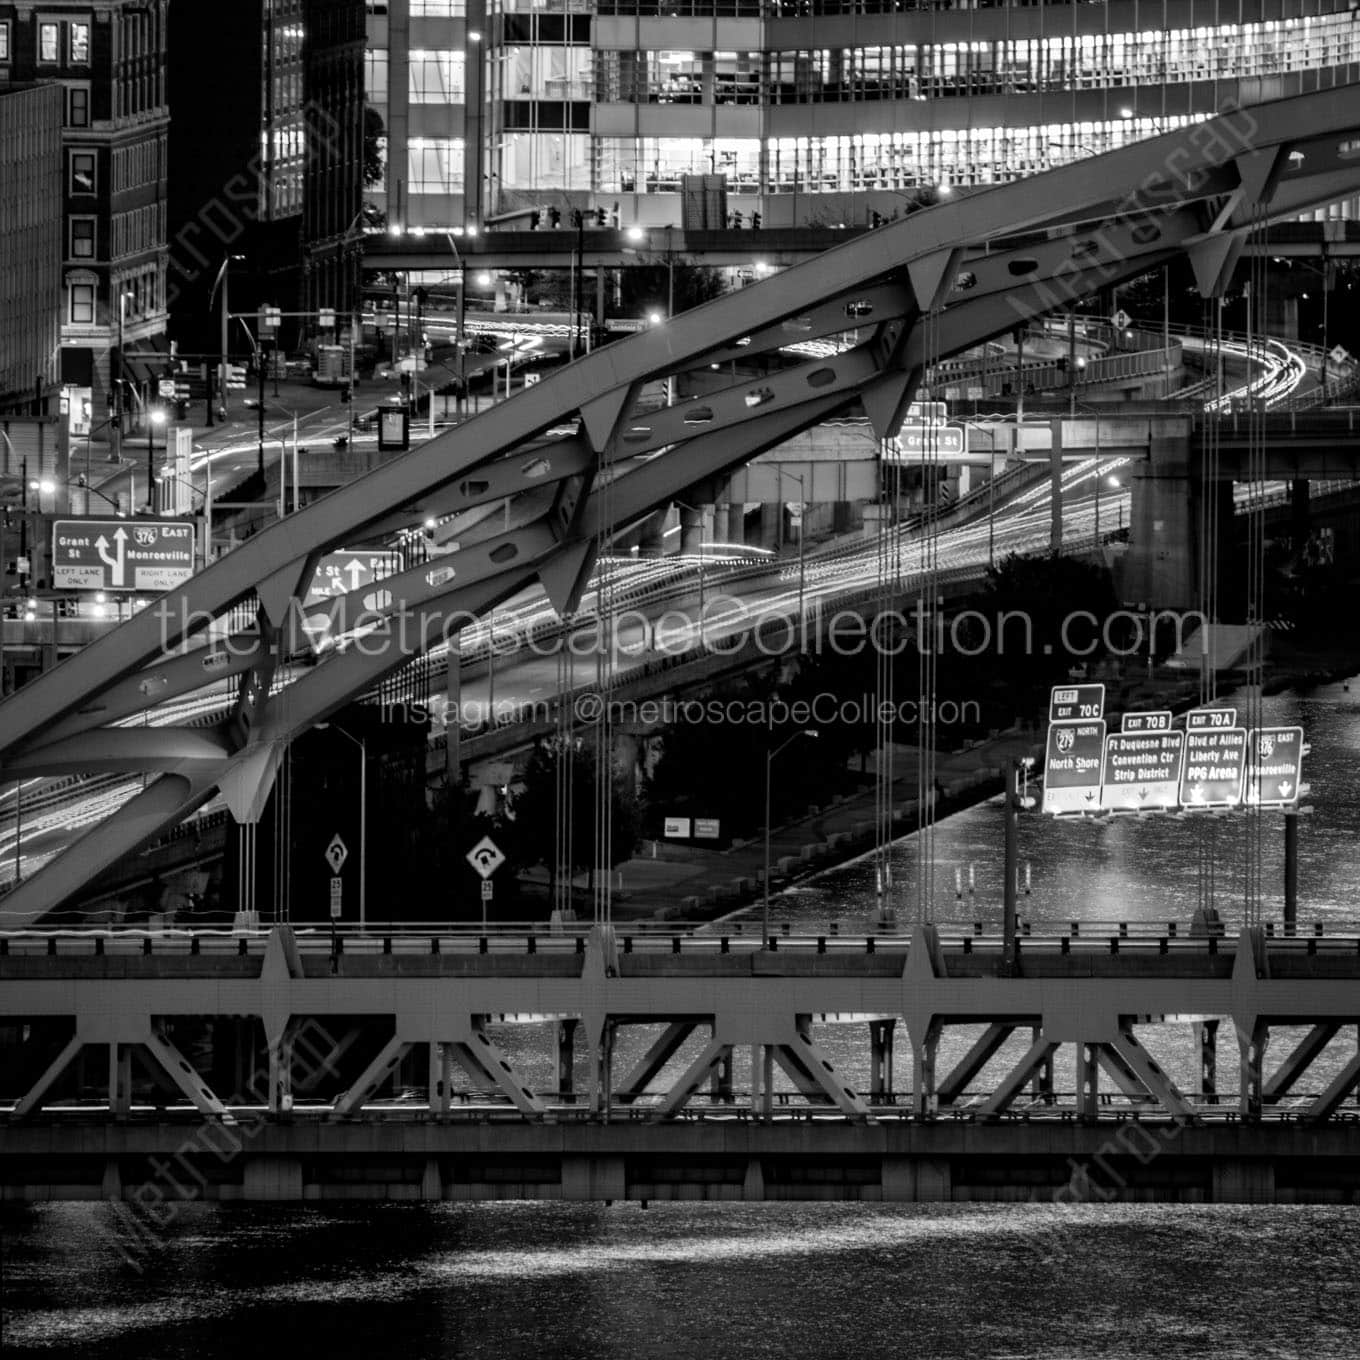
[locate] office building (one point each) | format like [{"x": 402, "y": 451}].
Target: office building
[
  {"x": 108, "y": 58},
  {"x": 815, "y": 111},
  {"x": 266, "y": 155}
]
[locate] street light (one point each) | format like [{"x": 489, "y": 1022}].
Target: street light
[
  {"x": 363, "y": 814},
  {"x": 226, "y": 317},
  {"x": 769, "y": 765}
]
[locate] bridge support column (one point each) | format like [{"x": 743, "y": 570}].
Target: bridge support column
[
  {"x": 721, "y": 1084},
  {"x": 111, "y": 1185},
  {"x": 431, "y": 1181},
  {"x": 120, "y": 1080},
  {"x": 602, "y": 1073},
  {"x": 881, "y": 1059},
  {"x": 1164, "y": 515},
  {"x": 281, "y": 1072},
  {"x": 735, "y": 524},
  {"x": 1088, "y": 1081},
  {"x": 753, "y": 1183},
  {"x": 920, "y": 1180},
  {"x": 1242, "y": 1182},
  {"x": 1300, "y": 514},
  {"x": 1207, "y": 1032},
  {"x": 652, "y": 536},
  {"x": 566, "y": 1058},
  {"x": 924, "y": 1096},
  {"x": 771, "y": 524},
  {"x": 1251, "y": 1086},
  {"x": 1043, "y": 1073},
  {"x": 692, "y": 523},
  {"x": 440, "y": 1081}
]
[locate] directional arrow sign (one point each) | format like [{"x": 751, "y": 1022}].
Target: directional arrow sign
[
  {"x": 339, "y": 573},
  {"x": 1067, "y": 703},
  {"x": 115, "y": 554},
  {"x": 486, "y": 857},
  {"x": 1211, "y": 774},
  {"x": 1274, "y": 766},
  {"x": 917, "y": 441},
  {"x": 1072, "y": 766},
  {"x": 337, "y": 852},
  {"x": 1142, "y": 771}
]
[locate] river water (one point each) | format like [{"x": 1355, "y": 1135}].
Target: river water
[
  {"x": 586, "y": 1282},
  {"x": 1005, "y": 1282}
]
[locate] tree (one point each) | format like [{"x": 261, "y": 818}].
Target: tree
[
  {"x": 375, "y": 147},
  {"x": 533, "y": 833}
]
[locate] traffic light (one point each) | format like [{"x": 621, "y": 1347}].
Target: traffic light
[
  {"x": 345, "y": 396},
  {"x": 554, "y": 217},
  {"x": 875, "y": 219},
  {"x": 755, "y": 221},
  {"x": 601, "y": 217},
  {"x": 737, "y": 220},
  {"x": 535, "y": 218}
]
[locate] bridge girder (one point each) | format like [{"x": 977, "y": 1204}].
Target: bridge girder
[{"x": 583, "y": 460}]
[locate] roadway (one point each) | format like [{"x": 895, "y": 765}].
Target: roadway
[{"x": 51, "y": 812}]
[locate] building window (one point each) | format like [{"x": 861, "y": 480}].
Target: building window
[
  {"x": 435, "y": 165},
  {"x": 80, "y": 44},
  {"x": 82, "y": 304},
  {"x": 49, "y": 42},
  {"x": 78, "y": 107},
  {"x": 4, "y": 40},
  {"x": 82, "y": 172},
  {"x": 82, "y": 238}
]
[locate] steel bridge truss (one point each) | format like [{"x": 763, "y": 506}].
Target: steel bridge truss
[
  {"x": 576, "y": 457},
  {"x": 339, "y": 1031}
]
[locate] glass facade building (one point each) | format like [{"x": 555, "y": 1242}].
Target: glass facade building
[{"x": 815, "y": 111}]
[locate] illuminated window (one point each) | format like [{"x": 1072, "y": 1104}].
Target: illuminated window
[
  {"x": 49, "y": 42},
  {"x": 82, "y": 304},
  {"x": 80, "y": 44}
]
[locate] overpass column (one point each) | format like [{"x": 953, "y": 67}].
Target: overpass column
[
  {"x": 736, "y": 523},
  {"x": 771, "y": 524},
  {"x": 1161, "y": 568},
  {"x": 120, "y": 1080},
  {"x": 692, "y": 525},
  {"x": 652, "y": 537},
  {"x": 1300, "y": 518}
]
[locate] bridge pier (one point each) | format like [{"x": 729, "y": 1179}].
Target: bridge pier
[
  {"x": 924, "y": 1096},
  {"x": 120, "y": 1080},
  {"x": 1088, "y": 1081},
  {"x": 720, "y": 1086},
  {"x": 272, "y": 1178}
]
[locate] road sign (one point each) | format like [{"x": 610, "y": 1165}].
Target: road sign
[
  {"x": 707, "y": 828},
  {"x": 337, "y": 896},
  {"x": 337, "y": 852},
  {"x": 486, "y": 857},
  {"x": 927, "y": 413},
  {"x": 1142, "y": 771},
  {"x": 943, "y": 441},
  {"x": 1072, "y": 764},
  {"x": 1211, "y": 775},
  {"x": 1210, "y": 719},
  {"x": 1274, "y": 766},
  {"x": 326, "y": 318},
  {"x": 1120, "y": 320},
  {"x": 1338, "y": 354},
  {"x": 677, "y": 828},
  {"x": 165, "y": 389},
  {"x": 488, "y": 890},
  {"x": 1156, "y": 720},
  {"x": 394, "y": 430},
  {"x": 116, "y": 554},
  {"x": 339, "y": 573},
  {"x": 1067, "y": 703},
  {"x": 530, "y": 379},
  {"x": 236, "y": 377}
]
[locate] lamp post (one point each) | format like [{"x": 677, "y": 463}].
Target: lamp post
[
  {"x": 363, "y": 817},
  {"x": 769, "y": 765},
  {"x": 222, "y": 279}
]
